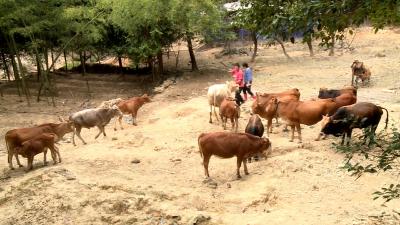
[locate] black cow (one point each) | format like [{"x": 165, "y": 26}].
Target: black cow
[
  {"x": 333, "y": 93},
  {"x": 256, "y": 128},
  {"x": 359, "y": 115}
]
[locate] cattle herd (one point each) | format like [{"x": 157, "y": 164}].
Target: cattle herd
[{"x": 338, "y": 110}]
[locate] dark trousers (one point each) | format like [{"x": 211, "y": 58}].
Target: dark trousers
[{"x": 247, "y": 89}]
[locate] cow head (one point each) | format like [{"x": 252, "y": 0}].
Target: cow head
[
  {"x": 357, "y": 67},
  {"x": 334, "y": 127},
  {"x": 146, "y": 98},
  {"x": 272, "y": 105},
  {"x": 266, "y": 147}
]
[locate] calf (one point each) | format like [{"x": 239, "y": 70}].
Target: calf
[
  {"x": 256, "y": 128},
  {"x": 217, "y": 93},
  {"x": 110, "y": 103},
  {"x": 333, "y": 93},
  {"x": 229, "y": 109},
  {"x": 260, "y": 105},
  {"x": 131, "y": 106},
  {"x": 36, "y": 145},
  {"x": 360, "y": 115},
  {"x": 360, "y": 72},
  {"x": 301, "y": 112},
  {"x": 227, "y": 145},
  {"x": 16, "y": 137},
  {"x": 88, "y": 118}
]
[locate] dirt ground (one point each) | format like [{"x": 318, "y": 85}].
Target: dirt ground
[{"x": 97, "y": 183}]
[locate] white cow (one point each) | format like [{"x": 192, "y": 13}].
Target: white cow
[{"x": 217, "y": 93}]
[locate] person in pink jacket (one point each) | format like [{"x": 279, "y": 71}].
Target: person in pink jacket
[{"x": 237, "y": 75}]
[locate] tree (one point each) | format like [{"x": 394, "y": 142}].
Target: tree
[{"x": 195, "y": 17}]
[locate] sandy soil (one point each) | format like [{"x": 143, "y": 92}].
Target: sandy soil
[{"x": 97, "y": 183}]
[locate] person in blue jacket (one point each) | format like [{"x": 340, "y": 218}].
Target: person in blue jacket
[{"x": 248, "y": 80}]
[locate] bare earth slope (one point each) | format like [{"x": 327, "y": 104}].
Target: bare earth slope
[{"x": 300, "y": 184}]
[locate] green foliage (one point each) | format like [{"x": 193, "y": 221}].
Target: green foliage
[{"x": 381, "y": 155}]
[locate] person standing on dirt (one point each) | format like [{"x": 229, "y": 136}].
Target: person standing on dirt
[
  {"x": 237, "y": 75},
  {"x": 247, "y": 81}
]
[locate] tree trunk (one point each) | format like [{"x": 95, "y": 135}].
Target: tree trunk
[
  {"x": 52, "y": 58},
  {"x": 332, "y": 49},
  {"x": 160, "y": 63},
  {"x": 46, "y": 58},
  {"x": 72, "y": 56},
  {"x": 38, "y": 66},
  {"x": 254, "y": 37},
  {"x": 120, "y": 64},
  {"x": 310, "y": 47},
  {"x": 191, "y": 53},
  {"x": 65, "y": 61},
  {"x": 83, "y": 69},
  {"x": 16, "y": 75},
  {"x": 25, "y": 89},
  {"x": 5, "y": 66},
  {"x": 283, "y": 47}
]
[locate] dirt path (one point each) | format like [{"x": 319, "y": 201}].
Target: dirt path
[{"x": 299, "y": 184}]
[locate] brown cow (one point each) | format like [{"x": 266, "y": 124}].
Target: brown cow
[
  {"x": 16, "y": 137},
  {"x": 36, "y": 145},
  {"x": 360, "y": 72},
  {"x": 131, "y": 106},
  {"x": 301, "y": 112},
  {"x": 227, "y": 145},
  {"x": 260, "y": 105},
  {"x": 229, "y": 109}
]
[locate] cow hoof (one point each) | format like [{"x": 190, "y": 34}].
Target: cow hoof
[
  {"x": 20, "y": 166},
  {"x": 246, "y": 173},
  {"x": 316, "y": 139},
  {"x": 45, "y": 164},
  {"x": 12, "y": 168},
  {"x": 290, "y": 140},
  {"x": 134, "y": 124},
  {"x": 115, "y": 129},
  {"x": 239, "y": 177}
]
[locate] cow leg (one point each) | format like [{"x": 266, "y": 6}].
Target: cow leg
[
  {"x": 245, "y": 167},
  {"x": 285, "y": 129},
  {"x": 372, "y": 137},
  {"x": 299, "y": 132},
  {"x": 343, "y": 137},
  {"x": 348, "y": 137},
  {"x": 78, "y": 133},
  {"x": 10, "y": 157},
  {"x": 18, "y": 162},
  {"x": 210, "y": 121},
  {"x": 239, "y": 163},
  {"x": 30, "y": 163},
  {"x": 206, "y": 160},
  {"x": 58, "y": 154},
  {"x": 269, "y": 126},
  {"x": 134, "y": 120},
  {"x": 101, "y": 130},
  {"x": 233, "y": 124},
  {"x": 44, "y": 157},
  {"x": 215, "y": 113},
  {"x": 292, "y": 128},
  {"x": 237, "y": 124}
]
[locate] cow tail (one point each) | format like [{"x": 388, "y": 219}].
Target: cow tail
[
  {"x": 387, "y": 117},
  {"x": 198, "y": 142},
  {"x": 8, "y": 150}
]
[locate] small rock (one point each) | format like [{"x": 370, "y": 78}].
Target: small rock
[
  {"x": 175, "y": 160},
  {"x": 114, "y": 138},
  {"x": 310, "y": 166},
  {"x": 379, "y": 54},
  {"x": 135, "y": 161},
  {"x": 199, "y": 219},
  {"x": 228, "y": 185}
]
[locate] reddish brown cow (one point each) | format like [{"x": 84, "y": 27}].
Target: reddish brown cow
[
  {"x": 36, "y": 145},
  {"x": 16, "y": 137},
  {"x": 302, "y": 112},
  {"x": 229, "y": 109},
  {"x": 227, "y": 145},
  {"x": 131, "y": 106},
  {"x": 260, "y": 105}
]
